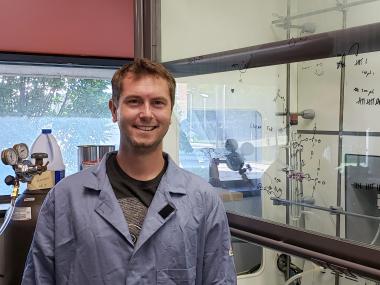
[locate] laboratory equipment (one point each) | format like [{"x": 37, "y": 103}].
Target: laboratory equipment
[
  {"x": 89, "y": 155},
  {"x": 47, "y": 143},
  {"x": 21, "y": 217}
]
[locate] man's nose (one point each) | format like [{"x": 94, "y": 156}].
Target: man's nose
[{"x": 146, "y": 111}]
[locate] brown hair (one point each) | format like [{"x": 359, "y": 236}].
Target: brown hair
[{"x": 142, "y": 67}]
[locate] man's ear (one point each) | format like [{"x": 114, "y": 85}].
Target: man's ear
[{"x": 113, "y": 109}]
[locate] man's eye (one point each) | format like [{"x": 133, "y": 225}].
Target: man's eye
[
  {"x": 159, "y": 103},
  {"x": 132, "y": 102}
]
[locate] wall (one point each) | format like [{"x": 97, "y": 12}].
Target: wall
[
  {"x": 85, "y": 28},
  {"x": 192, "y": 28}
]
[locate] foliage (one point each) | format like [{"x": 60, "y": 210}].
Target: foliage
[{"x": 53, "y": 96}]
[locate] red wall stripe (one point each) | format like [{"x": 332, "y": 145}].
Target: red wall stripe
[{"x": 68, "y": 27}]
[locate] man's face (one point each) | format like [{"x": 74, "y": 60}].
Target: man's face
[{"x": 143, "y": 113}]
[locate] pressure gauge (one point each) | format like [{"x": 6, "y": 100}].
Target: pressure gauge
[
  {"x": 21, "y": 150},
  {"x": 9, "y": 156}
]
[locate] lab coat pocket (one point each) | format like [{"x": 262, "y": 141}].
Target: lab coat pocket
[{"x": 176, "y": 276}]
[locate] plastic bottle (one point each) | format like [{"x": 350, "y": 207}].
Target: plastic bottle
[{"x": 47, "y": 143}]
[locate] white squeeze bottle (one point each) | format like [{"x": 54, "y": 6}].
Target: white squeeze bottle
[{"x": 47, "y": 143}]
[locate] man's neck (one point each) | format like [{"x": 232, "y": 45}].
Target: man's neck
[{"x": 141, "y": 166}]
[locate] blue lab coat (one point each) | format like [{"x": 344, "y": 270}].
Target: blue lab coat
[{"x": 82, "y": 236}]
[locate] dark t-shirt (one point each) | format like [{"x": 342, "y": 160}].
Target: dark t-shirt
[
  {"x": 134, "y": 196},
  {"x": 126, "y": 186}
]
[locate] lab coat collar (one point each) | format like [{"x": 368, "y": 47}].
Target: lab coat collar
[
  {"x": 176, "y": 186},
  {"x": 107, "y": 209},
  {"x": 172, "y": 182},
  {"x": 100, "y": 175},
  {"x": 154, "y": 220},
  {"x": 107, "y": 204}
]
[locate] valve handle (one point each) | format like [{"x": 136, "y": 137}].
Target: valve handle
[
  {"x": 39, "y": 155},
  {"x": 9, "y": 180}
]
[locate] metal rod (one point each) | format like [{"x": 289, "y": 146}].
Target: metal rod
[
  {"x": 331, "y": 209},
  {"x": 139, "y": 28},
  {"x": 287, "y": 111},
  {"x": 155, "y": 29},
  {"x": 308, "y": 243},
  {"x": 348, "y": 267},
  {"x": 287, "y": 155},
  {"x": 343, "y": 133},
  {"x": 356, "y": 40},
  {"x": 340, "y": 138},
  {"x": 322, "y": 11}
]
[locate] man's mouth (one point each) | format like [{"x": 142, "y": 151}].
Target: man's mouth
[{"x": 146, "y": 128}]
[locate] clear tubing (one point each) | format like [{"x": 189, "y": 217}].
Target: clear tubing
[
  {"x": 376, "y": 236},
  {"x": 300, "y": 275},
  {"x": 8, "y": 216}
]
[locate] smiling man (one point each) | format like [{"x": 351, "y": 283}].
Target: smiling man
[{"x": 136, "y": 218}]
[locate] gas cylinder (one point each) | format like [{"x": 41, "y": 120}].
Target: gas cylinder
[{"x": 19, "y": 234}]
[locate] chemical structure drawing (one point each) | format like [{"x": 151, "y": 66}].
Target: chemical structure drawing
[
  {"x": 281, "y": 100},
  {"x": 303, "y": 169},
  {"x": 298, "y": 164},
  {"x": 299, "y": 143},
  {"x": 316, "y": 180},
  {"x": 316, "y": 69},
  {"x": 279, "y": 97},
  {"x": 273, "y": 189}
]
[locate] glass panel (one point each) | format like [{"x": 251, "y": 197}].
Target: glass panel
[
  {"x": 363, "y": 13},
  {"x": 247, "y": 256},
  {"x": 349, "y": 183},
  {"x": 230, "y": 136},
  {"x": 311, "y": 17},
  {"x": 360, "y": 154},
  {"x": 250, "y": 23},
  {"x": 247, "y": 23},
  {"x": 73, "y": 105},
  {"x": 282, "y": 268},
  {"x": 305, "y": 7},
  {"x": 193, "y": 28},
  {"x": 310, "y": 128}
]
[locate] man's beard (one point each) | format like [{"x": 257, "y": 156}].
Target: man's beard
[{"x": 144, "y": 148}]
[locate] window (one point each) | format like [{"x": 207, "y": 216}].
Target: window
[
  {"x": 70, "y": 101},
  {"x": 223, "y": 145}
]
